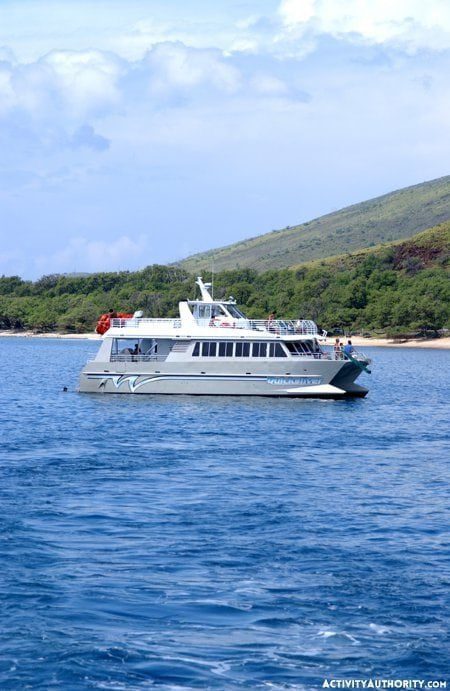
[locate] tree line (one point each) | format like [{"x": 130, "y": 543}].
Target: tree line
[{"x": 394, "y": 289}]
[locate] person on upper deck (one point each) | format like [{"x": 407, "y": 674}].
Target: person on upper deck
[
  {"x": 271, "y": 321},
  {"x": 337, "y": 349},
  {"x": 299, "y": 326},
  {"x": 348, "y": 348}
]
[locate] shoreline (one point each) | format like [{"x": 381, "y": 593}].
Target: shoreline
[
  {"x": 65, "y": 336},
  {"x": 358, "y": 341}
]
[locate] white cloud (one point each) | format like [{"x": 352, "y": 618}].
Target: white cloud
[
  {"x": 295, "y": 12},
  {"x": 274, "y": 27},
  {"x": 67, "y": 87},
  {"x": 82, "y": 254},
  {"x": 87, "y": 80},
  {"x": 78, "y": 82},
  {"x": 175, "y": 66},
  {"x": 406, "y": 24}
]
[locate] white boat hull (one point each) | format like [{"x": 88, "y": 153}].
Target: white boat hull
[{"x": 319, "y": 379}]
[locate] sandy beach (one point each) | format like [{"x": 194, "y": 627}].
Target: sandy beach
[
  {"x": 31, "y": 334},
  {"x": 358, "y": 341}
]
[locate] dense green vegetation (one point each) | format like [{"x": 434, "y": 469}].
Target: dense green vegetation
[
  {"x": 400, "y": 286},
  {"x": 394, "y": 216}
]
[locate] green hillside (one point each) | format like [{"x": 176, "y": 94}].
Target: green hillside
[
  {"x": 395, "y": 287},
  {"x": 393, "y": 216}
]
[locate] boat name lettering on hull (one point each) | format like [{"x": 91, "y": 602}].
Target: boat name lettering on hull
[{"x": 297, "y": 381}]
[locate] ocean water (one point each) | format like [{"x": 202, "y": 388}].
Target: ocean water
[{"x": 212, "y": 543}]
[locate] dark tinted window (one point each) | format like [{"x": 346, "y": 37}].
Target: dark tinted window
[
  {"x": 242, "y": 349},
  {"x": 259, "y": 349},
  {"x": 276, "y": 350},
  {"x": 209, "y": 349},
  {"x": 196, "y": 351},
  {"x": 234, "y": 312},
  {"x": 225, "y": 349}
]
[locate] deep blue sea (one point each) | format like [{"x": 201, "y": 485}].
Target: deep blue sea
[{"x": 230, "y": 543}]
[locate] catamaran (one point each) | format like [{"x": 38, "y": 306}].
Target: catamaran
[{"x": 212, "y": 348}]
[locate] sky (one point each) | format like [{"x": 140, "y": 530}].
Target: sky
[{"x": 135, "y": 132}]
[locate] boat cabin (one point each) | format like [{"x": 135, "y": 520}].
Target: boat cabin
[{"x": 208, "y": 328}]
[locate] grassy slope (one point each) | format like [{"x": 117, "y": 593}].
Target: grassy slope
[
  {"x": 430, "y": 247},
  {"x": 393, "y": 216}
]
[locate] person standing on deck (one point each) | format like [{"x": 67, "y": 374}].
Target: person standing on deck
[
  {"x": 271, "y": 321},
  {"x": 348, "y": 349},
  {"x": 337, "y": 349}
]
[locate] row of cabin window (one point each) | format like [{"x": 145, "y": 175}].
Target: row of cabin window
[{"x": 225, "y": 349}]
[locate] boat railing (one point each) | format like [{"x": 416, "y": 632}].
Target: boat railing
[
  {"x": 355, "y": 355},
  {"x": 361, "y": 357},
  {"x": 332, "y": 355},
  {"x": 137, "y": 322},
  {"x": 314, "y": 355},
  {"x": 286, "y": 327},
  {"x": 281, "y": 327},
  {"x": 128, "y": 357}
]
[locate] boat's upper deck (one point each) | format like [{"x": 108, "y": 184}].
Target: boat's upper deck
[
  {"x": 211, "y": 319},
  {"x": 219, "y": 328}
]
